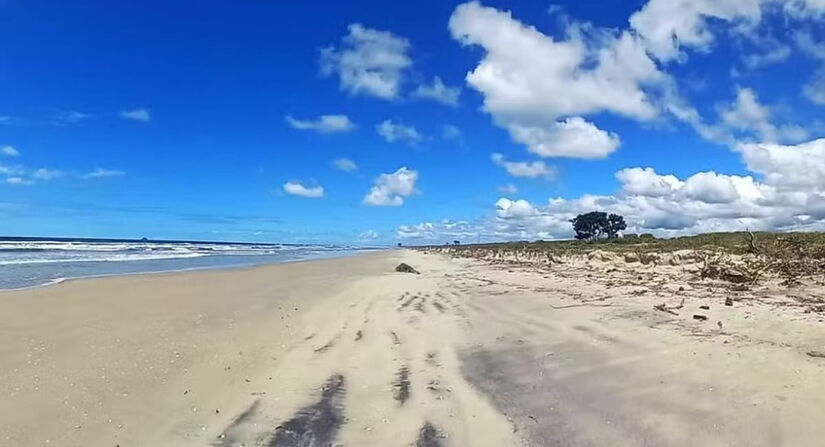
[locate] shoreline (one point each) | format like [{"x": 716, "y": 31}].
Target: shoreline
[{"x": 57, "y": 281}]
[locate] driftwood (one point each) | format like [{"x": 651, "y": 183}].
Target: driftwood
[
  {"x": 671, "y": 310},
  {"x": 817, "y": 354}
]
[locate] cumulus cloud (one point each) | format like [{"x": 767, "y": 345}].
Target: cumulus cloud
[
  {"x": 545, "y": 91},
  {"x": 323, "y": 124},
  {"x": 573, "y": 137},
  {"x": 797, "y": 167},
  {"x": 667, "y": 26},
  {"x": 645, "y": 182},
  {"x": 506, "y": 208},
  {"x": 393, "y": 132},
  {"x": 670, "y": 26},
  {"x": 297, "y": 189},
  {"x": 9, "y": 151},
  {"x": 142, "y": 115},
  {"x": 369, "y": 62},
  {"x": 439, "y": 92},
  {"x": 345, "y": 164},
  {"x": 540, "y": 88},
  {"x": 789, "y": 194},
  {"x": 390, "y": 189},
  {"x": 534, "y": 169}
]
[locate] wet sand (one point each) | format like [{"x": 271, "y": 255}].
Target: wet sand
[{"x": 349, "y": 352}]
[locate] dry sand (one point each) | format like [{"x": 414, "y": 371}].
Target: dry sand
[{"x": 348, "y": 352}]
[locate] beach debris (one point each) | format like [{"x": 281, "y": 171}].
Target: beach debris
[
  {"x": 816, "y": 354},
  {"x": 406, "y": 268},
  {"x": 729, "y": 301},
  {"x": 672, "y": 309},
  {"x": 428, "y": 436},
  {"x": 401, "y": 387},
  {"x": 700, "y": 317},
  {"x": 704, "y": 307}
]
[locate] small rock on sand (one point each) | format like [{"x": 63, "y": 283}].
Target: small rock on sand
[{"x": 405, "y": 268}]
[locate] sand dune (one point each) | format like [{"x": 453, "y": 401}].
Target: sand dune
[{"x": 349, "y": 352}]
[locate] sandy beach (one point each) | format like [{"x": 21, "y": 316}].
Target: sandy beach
[{"x": 349, "y": 352}]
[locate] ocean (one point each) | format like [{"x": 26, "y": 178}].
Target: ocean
[{"x": 29, "y": 262}]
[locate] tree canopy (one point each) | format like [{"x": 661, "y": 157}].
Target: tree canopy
[{"x": 597, "y": 225}]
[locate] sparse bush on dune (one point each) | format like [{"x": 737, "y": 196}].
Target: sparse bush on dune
[{"x": 741, "y": 258}]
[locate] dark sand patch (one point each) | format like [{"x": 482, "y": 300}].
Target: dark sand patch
[{"x": 317, "y": 424}]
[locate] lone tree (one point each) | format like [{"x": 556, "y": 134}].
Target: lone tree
[{"x": 597, "y": 225}]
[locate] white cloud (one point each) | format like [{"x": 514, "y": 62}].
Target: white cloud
[
  {"x": 142, "y": 115},
  {"x": 814, "y": 90},
  {"x": 539, "y": 88},
  {"x": 101, "y": 172},
  {"x": 297, "y": 189},
  {"x": 425, "y": 230},
  {"x": 69, "y": 117},
  {"x": 789, "y": 196},
  {"x": 805, "y": 41},
  {"x": 645, "y": 182},
  {"x": 710, "y": 187},
  {"x": 9, "y": 151},
  {"x": 323, "y": 124},
  {"x": 368, "y": 235},
  {"x": 450, "y": 132},
  {"x": 369, "y": 62},
  {"x": 345, "y": 164},
  {"x": 506, "y": 208},
  {"x": 799, "y": 167},
  {"x": 779, "y": 53},
  {"x": 18, "y": 181},
  {"x": 668, "y": 25},
  {"x": 745, "y": 119},
  {"x": 390, "y": 189},
  {"x": 46, "y": 174},
  {"x": 439, "y": 92},
  {"x": 573, "y": 137},
  {"x": 508, "y": 189},
  {"x": 534, "y": 169},
  {"x": 393, "y": 132}
]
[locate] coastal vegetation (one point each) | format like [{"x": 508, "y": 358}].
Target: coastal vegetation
[{"x": 742, "y": 258}]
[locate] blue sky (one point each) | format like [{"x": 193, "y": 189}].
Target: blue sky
[{"x": 494, "y": 120}]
